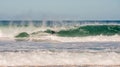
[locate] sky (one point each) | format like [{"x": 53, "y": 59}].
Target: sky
[{"x": 60, "y": 9}]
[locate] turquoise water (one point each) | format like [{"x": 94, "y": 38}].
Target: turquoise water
[{"x": 91, "y": 30}]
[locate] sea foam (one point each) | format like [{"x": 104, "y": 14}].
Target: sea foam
[
  {"x": 100, "y": 38},
  {"x": 43, "y": 58}
]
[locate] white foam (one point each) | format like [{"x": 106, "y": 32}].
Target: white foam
[
  {"x": 100, "y": 38},
  {"x": 0, "y": 33},
  {"x": 58, "y": 58}
]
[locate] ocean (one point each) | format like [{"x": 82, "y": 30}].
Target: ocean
[{"x": 60, "y": 43}]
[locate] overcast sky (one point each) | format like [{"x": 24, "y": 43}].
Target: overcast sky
[{"x": 60, "y": 9}]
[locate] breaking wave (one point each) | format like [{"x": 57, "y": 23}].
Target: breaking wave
[
  {"x": 91, "y": 30},
  {"x": 63, "y": 31},
  {"x": 87, "y": 33}
]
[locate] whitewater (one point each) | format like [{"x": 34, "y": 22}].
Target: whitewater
[
  {"x": 61, "y": 45},
  {"x": 41, "y": 53}
]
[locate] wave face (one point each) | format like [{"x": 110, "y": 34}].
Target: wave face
[{"x": 91, "y": 30}]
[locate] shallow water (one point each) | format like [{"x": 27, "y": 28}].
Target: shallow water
[
  {"x": 47, "y": 53},
  {"x": 60, "y": 46}
]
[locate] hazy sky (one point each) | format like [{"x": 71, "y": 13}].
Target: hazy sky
[{"x": 60, "y": 9}]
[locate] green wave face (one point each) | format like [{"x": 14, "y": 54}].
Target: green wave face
[
  {"x": 91, "y": 30},
  {"x": 23, "y": 34}
]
